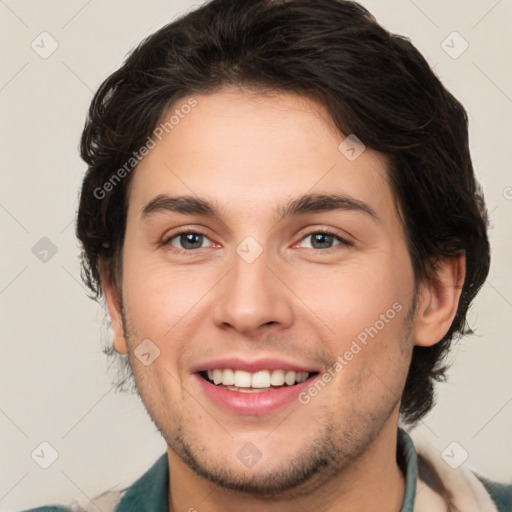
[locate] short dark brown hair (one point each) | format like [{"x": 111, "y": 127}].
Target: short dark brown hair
[{"x": 374, "y": 84}]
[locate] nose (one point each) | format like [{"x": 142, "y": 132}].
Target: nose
[{"x": 253, "y": 298}]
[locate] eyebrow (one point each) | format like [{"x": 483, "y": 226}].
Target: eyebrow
[{"x": 309, "y": 203}]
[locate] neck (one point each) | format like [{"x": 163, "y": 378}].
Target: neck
[{"x": 373, "y": 482}]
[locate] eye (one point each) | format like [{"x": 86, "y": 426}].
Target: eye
[
  {"x": 188, "y": 240},
  {"x": 322, "y": 240}
]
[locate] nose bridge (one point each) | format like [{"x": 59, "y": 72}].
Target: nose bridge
[
  {"x": 251, "y": 272},
  {"x": 251, "y": 295}
]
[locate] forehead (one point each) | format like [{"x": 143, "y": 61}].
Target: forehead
[{"x": 243, "y": 148}]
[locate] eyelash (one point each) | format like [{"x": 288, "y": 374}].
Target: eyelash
[{"x": 323, "y": 231}]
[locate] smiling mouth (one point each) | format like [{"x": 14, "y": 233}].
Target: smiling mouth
[{"x": 257, "y": 382}]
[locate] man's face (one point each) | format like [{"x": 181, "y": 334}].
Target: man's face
[{"x": 268, "y": 283}]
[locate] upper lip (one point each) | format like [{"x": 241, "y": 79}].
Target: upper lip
[{"x": 234, "y": 363}]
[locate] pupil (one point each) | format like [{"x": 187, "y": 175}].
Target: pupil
[
  {"x": 322, "y": 240},
  {"x": 191, "y": 240}
]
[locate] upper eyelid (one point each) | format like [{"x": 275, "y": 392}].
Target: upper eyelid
[
  {"x": 342, "y": 239},
  {"x": 168, "y": 238}
]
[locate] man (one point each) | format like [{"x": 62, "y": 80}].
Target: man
[{"x": 281, "y": 213}]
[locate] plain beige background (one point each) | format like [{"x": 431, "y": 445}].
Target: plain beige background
[{"x": 54, "y": 383}]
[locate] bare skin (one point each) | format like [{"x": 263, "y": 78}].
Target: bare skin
[{"x": 248, "y": 155}]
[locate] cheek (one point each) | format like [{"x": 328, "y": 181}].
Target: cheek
[
  {"x": 146, "y": 286},
  {"x": 352, "y": 298},
  {"x": 159, "y": 300}
]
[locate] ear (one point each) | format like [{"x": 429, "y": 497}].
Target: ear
[
  {"x": 438, "y": 301},
  {"x": 113, "y": 300}
]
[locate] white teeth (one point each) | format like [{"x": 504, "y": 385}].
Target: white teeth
[
  {"x": 228, "y": 377},
  {"x": 262, "y": 379},
  {"x": 277, "y": 378},
  {"x": 217, "y": 376},
  {"x": 242, "y": 379},
  {"x": 248, "y": 390},
  {"x": 301, "y": 376},
  {"x": 289, "y": 378}
]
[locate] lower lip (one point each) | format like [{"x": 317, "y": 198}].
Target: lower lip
[{"x": 255, "y": 404}]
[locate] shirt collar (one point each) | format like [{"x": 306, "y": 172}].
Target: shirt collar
[
  {"x": 407, "y": 460},
  {"x": 149, "y": 492}
]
